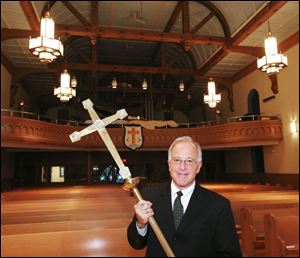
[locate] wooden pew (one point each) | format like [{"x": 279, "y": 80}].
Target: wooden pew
[
  {"x": 64, "y": 221},
  {"x": 252, "y": 226},
  {"x": 67, "y": 221},
  {"x": 282, "y": 235},
  {"x": 223, "y": 188},
  {"x": 260, "y": 200}
]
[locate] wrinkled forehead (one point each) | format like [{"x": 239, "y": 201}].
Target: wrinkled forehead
[{"x": 184, "y": 147}]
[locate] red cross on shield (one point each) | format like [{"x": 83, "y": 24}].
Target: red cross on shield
[{"x": 133, "y": 137}]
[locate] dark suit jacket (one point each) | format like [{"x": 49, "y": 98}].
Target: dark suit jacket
[{"x": 207, "y": 227}]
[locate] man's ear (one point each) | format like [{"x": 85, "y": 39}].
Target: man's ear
[
  {"x": 169, "y": 164},
  {"x": 200, "y": 165}
]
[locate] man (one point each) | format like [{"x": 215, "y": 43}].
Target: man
[{"x": 206, "y": 227}]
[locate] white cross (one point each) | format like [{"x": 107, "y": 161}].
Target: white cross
[
  {"x": 130, "y": 183},
  {"x": 99, "y": 125}
]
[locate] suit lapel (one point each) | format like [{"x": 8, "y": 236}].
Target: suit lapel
[
  {"x": 195, "y": 206},
  {"x": 166, "y": 207}
]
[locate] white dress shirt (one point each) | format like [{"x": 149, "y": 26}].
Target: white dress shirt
[{"x": 185, "y": 198}]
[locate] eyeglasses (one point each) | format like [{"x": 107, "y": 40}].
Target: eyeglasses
[{"x": 187, "y": 162}]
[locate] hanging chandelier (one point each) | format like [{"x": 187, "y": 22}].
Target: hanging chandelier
[
  {"x": 46, "y": 47},
  {"x": 272, "y": 62},
  {"x": 114, "y": 83},
  {"x": 181, "y": 86},
  {"x": 144, "y": 85},
  {"x": 212, "y": 98},
  {"x": 67, "y": 88}
]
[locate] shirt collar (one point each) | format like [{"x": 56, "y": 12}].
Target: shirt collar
[{"x": 187, "y": 191}]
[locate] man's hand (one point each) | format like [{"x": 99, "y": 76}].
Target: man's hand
[{"x": 143, "y": 212}]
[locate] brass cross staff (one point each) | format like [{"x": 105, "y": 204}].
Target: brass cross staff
[{"x": 130, "y": 183}]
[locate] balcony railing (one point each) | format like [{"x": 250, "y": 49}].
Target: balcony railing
[
  {"x": 29, "y": 115},
  {"x": 20, "y": 132}
]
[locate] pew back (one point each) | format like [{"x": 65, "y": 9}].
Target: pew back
[
  {"x": 282, "y": 235},
  {"x": 252, "y": 225}
]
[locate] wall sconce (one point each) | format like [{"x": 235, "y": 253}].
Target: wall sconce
[{"x": 293, "y": 126}]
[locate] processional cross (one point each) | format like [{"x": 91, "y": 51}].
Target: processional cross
[{"x": 130, "y": 183}]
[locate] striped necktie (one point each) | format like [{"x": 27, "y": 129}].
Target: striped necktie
[{"x": 178, "y": 209}]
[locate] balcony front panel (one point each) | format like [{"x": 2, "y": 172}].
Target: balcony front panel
[{"x": 34, "y": 134}]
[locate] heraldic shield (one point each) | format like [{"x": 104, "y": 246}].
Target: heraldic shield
[{"x": 133, "y": 137}]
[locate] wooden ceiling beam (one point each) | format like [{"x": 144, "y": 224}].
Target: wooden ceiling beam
[
  {"x": 187, "y": 44},
  {"x": 118, "y": 33},
  {"x": 173, "y": 17},
  {"x": 253, "y": 51},
  {"x": 185, "y": 17},
  {"x": 30, "y": 15},
  {"x": 93, "y": 30},
  {"x": 257, "y": 20},
  {"x": 212, "y": 61},
  {"x": 202, "y": 23},
  {"x": 251, "y": 26},
  {"x": 94, "y": 22},
  {"x": 289, "y": 42},
  {"x": 131, "y": 34},
  {"x": 221, "y": 18},
  {"x": 77, "y": 14},
  {"x": 7, "y": 34},
  {"x": 132, "y": 69},
  {"x": 47, "y": 7},
  {"x": 160, "y": 47},
  {"x": 143, "y": 35},
  {"x": 79, "y": 52}
]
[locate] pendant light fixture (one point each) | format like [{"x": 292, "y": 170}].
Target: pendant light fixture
[
  {"x": 67, "y": 88},
  {"x": 114, "y": 83},
  {"x": 212, "y": 98},
  {"x": 273, "y": 61},
  {"x": 144, "y": 85},
  {"x": 46, "y": 47},
  {"x": 181, "y": 86}
]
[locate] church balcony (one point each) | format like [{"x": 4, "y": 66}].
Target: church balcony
[{"x": 33, "y": 133}]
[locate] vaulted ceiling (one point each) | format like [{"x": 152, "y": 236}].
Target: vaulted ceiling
[{"x": 162, "y": 41}]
